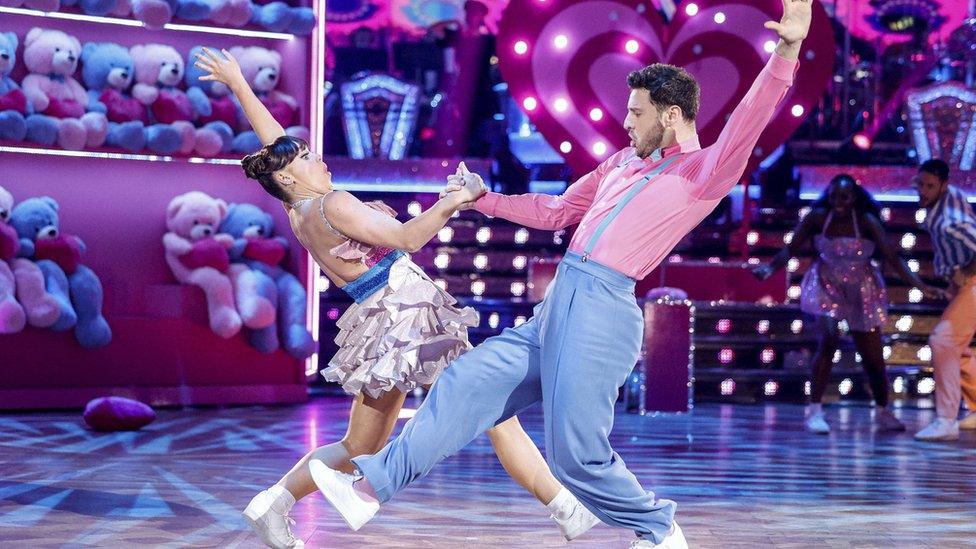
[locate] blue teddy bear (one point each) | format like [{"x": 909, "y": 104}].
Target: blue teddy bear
[
  {"x": 256, "y": 246},
  {"x": 76, "y": 288},
  {"x": 108, "y": 71},
  {"x": 215, "y": 103},
  {"x": 18, "y": 121},
  {"x": 280, "y": 17}
]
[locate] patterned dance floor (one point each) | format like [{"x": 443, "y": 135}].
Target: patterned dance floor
[{"x": 743, "y": 476}]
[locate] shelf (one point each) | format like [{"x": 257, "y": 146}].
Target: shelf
[{"x": 179, "y": 27}]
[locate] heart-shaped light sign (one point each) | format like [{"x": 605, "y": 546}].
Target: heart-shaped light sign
[{"x": 566, "y": 63}]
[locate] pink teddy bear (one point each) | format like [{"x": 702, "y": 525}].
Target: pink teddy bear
[
  {"x": 52, "y": 56},
  {"x": 159, "y": 72},
  {"x": 199, "y": 255},
  {"x": 20, "y": 279},
  {"x": 261, "y": 68}
]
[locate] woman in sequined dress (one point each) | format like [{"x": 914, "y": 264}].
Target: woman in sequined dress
[
  {"x": 843, "y": 284},
  {"x": 402, "y": 331}
]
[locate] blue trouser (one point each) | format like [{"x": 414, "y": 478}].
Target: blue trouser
[{"x": 574, "y": 355}]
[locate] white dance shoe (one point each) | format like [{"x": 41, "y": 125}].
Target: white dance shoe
[
  {"x": 816, "y": 423},
  {"x": 941, "y": 429},
  {"x": 579, "y": 521},
  {"x": 674, "y": 540},
  {"x": 271, "y": 526},
  {"x": 355, "y": 507}
]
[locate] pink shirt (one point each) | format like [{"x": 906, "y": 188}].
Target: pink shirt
[{"x": 672, "y": 203}]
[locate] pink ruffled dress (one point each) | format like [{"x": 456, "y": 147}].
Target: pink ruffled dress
[{"x": 403, "y": 329}]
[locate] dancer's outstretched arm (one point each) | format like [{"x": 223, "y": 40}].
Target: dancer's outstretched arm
[
  {"x": 224, "y": 68},
  {"x": 801, "y": 234}
]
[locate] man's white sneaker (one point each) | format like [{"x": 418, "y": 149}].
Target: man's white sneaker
[
  {"x": 816, "y": 423},
  {"x": 355, "y": 507},
  {"x": 940, "y": 429},
  {"x": 577, "y": 523},
  {"x": 884, "y": 420},
  {"x": 968, "y": 422},
  {"x": 270, "y": 525},
  {"x": 674, "y": 540}
]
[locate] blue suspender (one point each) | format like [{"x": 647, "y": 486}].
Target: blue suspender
[{"x": 623, "y": 203}]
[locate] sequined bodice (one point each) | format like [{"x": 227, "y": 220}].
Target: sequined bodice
[
  {"x": 843, "y": 251},
  {"x": 350, "y": 250}
]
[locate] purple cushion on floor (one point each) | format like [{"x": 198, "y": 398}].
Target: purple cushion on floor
[
  {"x": 117, "y": 414},
  {"x": 667, "y": 294}
]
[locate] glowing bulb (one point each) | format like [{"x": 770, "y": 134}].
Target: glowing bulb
[
  {"x": 560, "y": 41},
  {"x": 719, "y": 17},
  {"x": 481, "y": 262},
  {"x": 521, "y": 47},
  {"x": 752, "y": 238},
  {"x": 483, "y": 235},
  {"x": 632, "y": 46},
  {"x": 796, "y": 326},
  {"x": 769, "y": 46},
  {"x": 414, "y": 208},
  {"x": 920, "y": 215},
  {"x": 762, "y": 327},
  {"x": 519, "y": 262},
  {"x": 442, "y": 260},
  {"x": 908, "y": 241},
  {"x": 521, "y": 235},
  {"x": 770, "y": 388},
  {"x": 596, "y": 114},
  {"x": 493, "y": 320},
  {"x": 691, "y": 10},
  {"x": 561, "y": 105},
  {"x": 845, "y": 386},
  {"x": 904, "y": 323},
  {"x": 797, "y": 111},
  {"x": 728, "y": 385},
  {"x": 530, "y": 103},
  {"x": 445, "y": 235},
  {"x": 723, "y": 326},
  {"x": 924, "y": 353},
  {"x": 517, "y": 288},
  {"x": 565, "y": 147},
  {"x": 599, "y": 148},
  {"x": 478, "y": 287},
  {"x": 768, "y": 355}
]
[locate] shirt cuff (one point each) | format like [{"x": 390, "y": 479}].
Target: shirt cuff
[
  {"x": 782, "y": 68},
  {"x": 488, "y": 203}
]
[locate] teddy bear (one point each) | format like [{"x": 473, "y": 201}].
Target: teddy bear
[
  {"x": 39, "y": 5},
  {"x": 278, "y": 16},
  {"x": 159, "y": 72},
  {"x": 198, "y": 254},
  {"x": 52, "y": 56},
  {"x": 230, "y": 13},
  {"x": 91, "y": 7},
  {"x": 17, "y": 118},
  {"x": 23, "y": 298},
  {"x": 108, "y": 71},
  {"x": 76, "y": 287},
  {"x": 262, "y": 70},
  {"x": 257, "y": 247},
  {"x": 217, "y": 107}
]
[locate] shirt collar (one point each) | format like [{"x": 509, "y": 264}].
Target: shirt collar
[{"x": 688, "y": 145}]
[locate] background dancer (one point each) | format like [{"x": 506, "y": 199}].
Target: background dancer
[{"x": 400, "y": 333}]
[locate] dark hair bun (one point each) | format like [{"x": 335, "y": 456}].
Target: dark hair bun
[{"x": 255, "y": 165}]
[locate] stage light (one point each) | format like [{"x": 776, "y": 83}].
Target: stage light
[
  {"x": 908, "y": 241},
  {"x": 843, "y": 327},
  {"x": 442, "y": 260},
  {"x": 771, "y": 388},
  {"x": 797, "y": 111},
  {"x": 445, "y": 235},
  {"x": 599, "y": 148},
  {"x": 752, "y": 237},
  {"x": 596, "y": 114},
  {"x": 723, "y": 326},
  {"x": 632, "y": 46},
  {"x": 796, "y": 326},
  {"x": 521, "y": 235},
  {"x": 333, "y": 314},
  {"x": 493, "y": 320},
  {"x": 762, "y": 327},
  {"x": 478, "y": 287},
  {"x": 517, "y": 288},
  {"x": 557, "y": 237},
  {"x": 787, "y": 237},
  {"x": 674, "y": 259},
  {"x": 714, "y": 260},
  {"x": 441, "y": 283},
  {"x": 519, "y": 262},
  {"x": 915, "y": 295},
  {"x": 521, "y": 47},
  {"x": 925, "y": 386},
  {"x": 862, "y": 141},
  {"x": 793, "y": 292},
  {"x": 898, "y": 385},
  {"x": 806, "y": 388},
  {"x": 904, "y": 323},
  {"x": 480, "y": 262},
  {"x": 913, "y": 265},
  {"x": 561, "y": 104},
  {"x": 483, "y": 235},
  {"x": 920, "y": 215},
  {"x": 769, "y": 46},
  {"x": 886, "y": 214},
  {"x": 414, "y": 209},
  {"x": 560, "y": 41},
  {"x": 727, "y": 387},
  {"x": 530, "y": 103},
  {"x": 719, "y": 17},
  {"x": 803, "y": 212},
  {"x": 857, "y": 357},
  {"x": 753, "y": 261},
  {"x": 768, "y": 355},
  {"x": 836, "y": 357},
  {"x": 845, "y": 386},
  {"x": 691, "y": 10},
  {"x": 886, "y": 352},
  {"x": 565, "y": 147},
  {"x": 726, "y": 355},
  {"x": 924, "y": 353},
  {"x": 793, "y": 265},
  {"x": 519, "y": 320}
]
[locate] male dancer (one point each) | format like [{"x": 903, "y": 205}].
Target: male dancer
[
  {"x": 585, "y": 336},
  {"x": 952, "y": 226}
]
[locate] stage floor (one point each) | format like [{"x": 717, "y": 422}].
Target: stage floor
[{"x": 743, "y": 476}]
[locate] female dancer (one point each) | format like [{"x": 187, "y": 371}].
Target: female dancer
[
  {"x": 400, "y": 333},
  {"x": 843, "y": 284}
]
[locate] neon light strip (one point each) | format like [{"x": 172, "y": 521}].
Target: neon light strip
[
  {"x": 135, "y": 23},
  {"x": 317, "y": 130},
  {"x": 119, "y": 156},
  {"x": 880, "y": 197}
]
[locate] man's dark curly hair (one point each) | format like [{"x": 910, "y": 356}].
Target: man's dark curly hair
[{"x": 668, "y": 85}]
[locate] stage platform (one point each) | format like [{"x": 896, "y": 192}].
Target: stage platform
[{"x": 743, "y": 476}]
